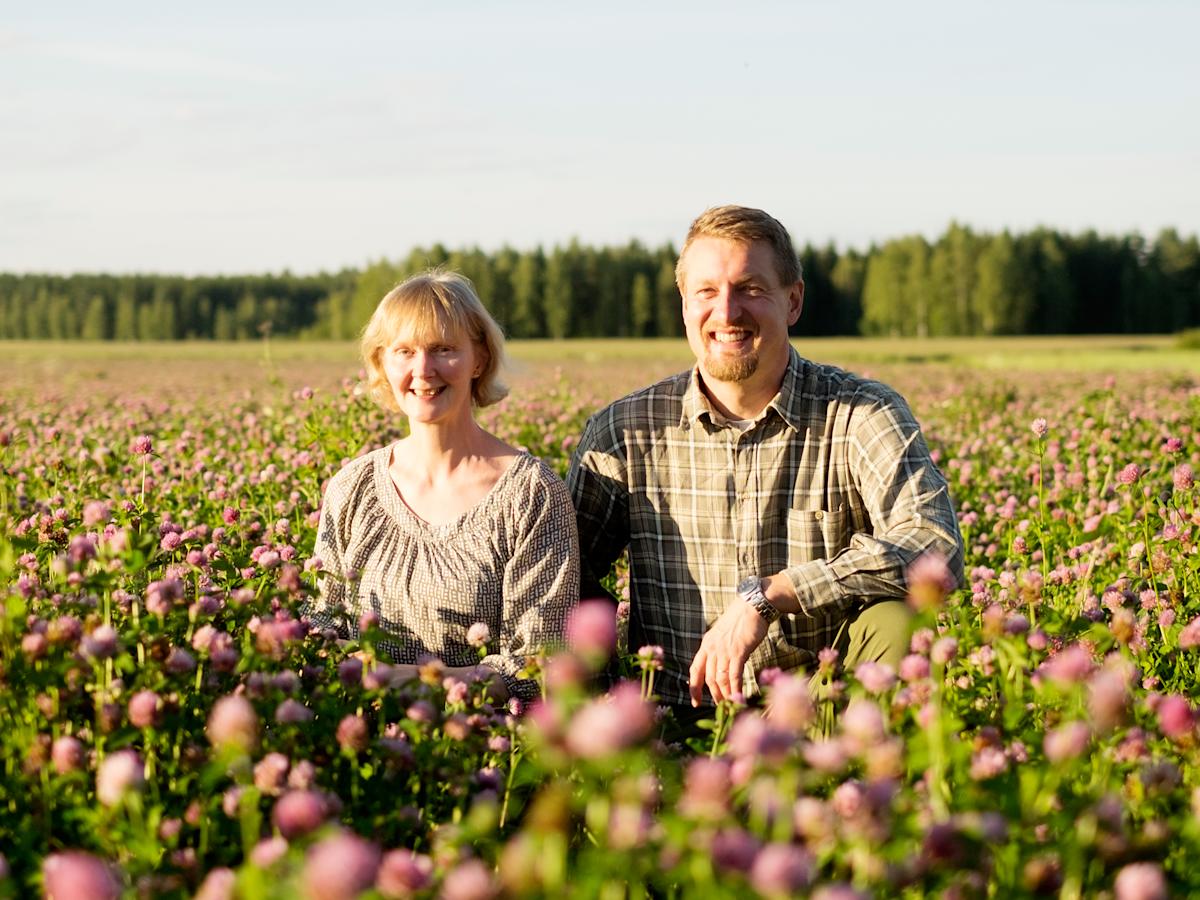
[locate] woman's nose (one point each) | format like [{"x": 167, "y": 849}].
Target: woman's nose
[{"x": 422, "y": 362}]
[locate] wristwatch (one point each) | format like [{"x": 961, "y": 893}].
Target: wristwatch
[{"x": 750, "y": 590}]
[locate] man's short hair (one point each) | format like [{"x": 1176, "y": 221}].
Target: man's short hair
[{"x": 744, "y": 225}]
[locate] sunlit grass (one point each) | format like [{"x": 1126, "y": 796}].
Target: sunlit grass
[{"x": 1088, "y": 351}]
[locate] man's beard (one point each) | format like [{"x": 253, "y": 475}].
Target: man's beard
[{"x": 731, "y": 370}]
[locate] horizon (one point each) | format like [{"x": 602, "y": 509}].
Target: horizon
[{"x": 491, "y": 251}]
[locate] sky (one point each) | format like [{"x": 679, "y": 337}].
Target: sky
[{"x": 257, "y": 137}]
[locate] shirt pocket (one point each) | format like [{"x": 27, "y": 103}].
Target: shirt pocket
[{"x": 816, "y": 534}]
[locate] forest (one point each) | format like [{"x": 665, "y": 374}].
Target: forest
[{"x": 966, "y": 282}]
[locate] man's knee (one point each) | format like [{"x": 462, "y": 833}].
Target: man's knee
[{"x": 880, "y": 633}]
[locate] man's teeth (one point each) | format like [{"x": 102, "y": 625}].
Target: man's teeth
[{"x": 730, "y": 337}]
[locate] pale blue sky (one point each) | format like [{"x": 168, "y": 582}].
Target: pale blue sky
[{"x": 239, "y": 137}]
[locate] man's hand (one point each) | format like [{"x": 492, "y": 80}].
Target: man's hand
[{"x": 723, "y": 653}]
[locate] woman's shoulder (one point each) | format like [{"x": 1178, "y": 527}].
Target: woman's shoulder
[
  {"x": 531, "y": 477},
  {"x": 355, "y": 475}
]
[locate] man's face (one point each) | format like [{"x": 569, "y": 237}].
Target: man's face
[{"x": 735, "y": 310}]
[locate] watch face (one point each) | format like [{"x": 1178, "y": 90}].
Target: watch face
[{"x": 748, "y": 584}]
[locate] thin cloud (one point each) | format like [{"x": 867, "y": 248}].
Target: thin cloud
[{"x": 155, "y": 60}]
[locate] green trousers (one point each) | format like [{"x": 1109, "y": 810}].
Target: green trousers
[{"x": 879, "y": 632}]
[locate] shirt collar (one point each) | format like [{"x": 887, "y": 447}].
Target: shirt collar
[{"x": 786, "y": 403}]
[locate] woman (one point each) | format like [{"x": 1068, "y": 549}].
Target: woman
[{"x": 449, "y": 526}]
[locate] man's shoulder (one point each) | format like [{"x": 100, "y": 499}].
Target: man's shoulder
[
  {"x": 822, "y": 381},
  {"x": 656, "y": 405}
]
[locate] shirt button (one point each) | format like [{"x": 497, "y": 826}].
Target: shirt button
[{"x": 819, "y": 515}]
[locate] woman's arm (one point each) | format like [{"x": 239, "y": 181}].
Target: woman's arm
[{"x": 541, "y": 582}]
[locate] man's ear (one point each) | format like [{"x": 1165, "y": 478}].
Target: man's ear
[{"x": 795, "y": 302}]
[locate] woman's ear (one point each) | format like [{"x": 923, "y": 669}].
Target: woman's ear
[{"x": 482, "y": 362}]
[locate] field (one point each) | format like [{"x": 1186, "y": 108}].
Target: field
[
  {"x": 250, "y": 366},
  {"x": 170, "y": 726}
]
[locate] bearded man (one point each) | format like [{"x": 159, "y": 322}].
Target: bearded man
[{"x": 771, "y": 506}]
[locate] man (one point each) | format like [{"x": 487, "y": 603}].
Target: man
[{"x": 771, "y": 506}]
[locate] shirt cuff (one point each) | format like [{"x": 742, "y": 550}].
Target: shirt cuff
[{"x": 816, "y": 588}]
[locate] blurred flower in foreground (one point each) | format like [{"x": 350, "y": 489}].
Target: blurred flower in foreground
[
  {"x": 929, "y": 581},
  {"x": 75, "y": 875},
  {"x": 67, "y": 754},
  {"x": 611, "y": 723},
  {"x": 120, "y": 773},
  {"x": 233, "y": 724},
  {"x": 592, "y": 630},
  {"x": 470, "y": 880},
  {"x": 781, "y": 870},
  {"x": 1141, "y": 881},
  {"x": 403, "y": 873},
  {"x": 298, "y": 812},
  {"x": 1066, "y": 742},
  {"x": 340, "y": 868},
  {"x": 218, "y": 885}
]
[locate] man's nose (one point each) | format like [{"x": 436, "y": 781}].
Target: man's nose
[{"x": 725, "y": 303}]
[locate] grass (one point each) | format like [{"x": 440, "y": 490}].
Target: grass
[
  {"x": 190, "y": 368},
  {"x": 1072, "y": 352}
]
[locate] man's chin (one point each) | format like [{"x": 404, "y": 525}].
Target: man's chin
[{"x": 735, "y": 369}]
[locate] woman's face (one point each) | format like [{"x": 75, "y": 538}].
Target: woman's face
[{"x": 431, "y": 378}]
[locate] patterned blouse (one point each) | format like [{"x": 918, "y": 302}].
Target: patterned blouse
[{"x": 510, "y": 562}]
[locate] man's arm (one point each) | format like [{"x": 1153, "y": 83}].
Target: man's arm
[
  {"x": 598, "y": 483},
  {"x": 909, "y": 506},
  {"x": 908, "y": 503}
]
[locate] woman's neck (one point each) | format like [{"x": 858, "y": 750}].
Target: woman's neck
[{"x": 438, "y": 448}]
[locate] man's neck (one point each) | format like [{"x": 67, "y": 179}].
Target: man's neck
[{"x": 743, "y": 399}]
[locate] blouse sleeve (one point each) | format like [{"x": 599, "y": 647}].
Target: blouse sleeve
[
  {"x": 541, "y": 581},
  {"x": 327, "y": 609}
]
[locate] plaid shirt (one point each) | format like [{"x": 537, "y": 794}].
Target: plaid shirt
[{"x": 832, "y": 484}]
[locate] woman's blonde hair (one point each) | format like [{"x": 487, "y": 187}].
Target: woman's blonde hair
[{"x": 430, "y": 307}]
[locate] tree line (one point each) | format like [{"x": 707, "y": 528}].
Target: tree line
[{"x": 964, "y": 283}]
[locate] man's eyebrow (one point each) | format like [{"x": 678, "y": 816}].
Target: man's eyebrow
[{"x": 751, "y": 278}]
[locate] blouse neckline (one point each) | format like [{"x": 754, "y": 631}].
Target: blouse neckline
[{"x": 400, "y": 512}]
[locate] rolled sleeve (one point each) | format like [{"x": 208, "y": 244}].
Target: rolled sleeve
[{"x": 908, "y": 505}]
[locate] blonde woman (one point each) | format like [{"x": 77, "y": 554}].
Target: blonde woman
[{"x": 449, "y": 526}]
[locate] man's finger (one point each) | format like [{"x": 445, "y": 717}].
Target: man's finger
[
  {"x": 712, "y": 677},
  {"x": 696, "y": 676},
  {"x": 735, "y": 676},
  {"x": 720, "y": 679},
  {"x": 714, "y": 689}
]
